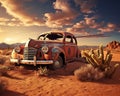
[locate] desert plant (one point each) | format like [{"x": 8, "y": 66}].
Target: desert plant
[
  {"x": 2, "y": 59},
  {"x": 4, "y": 70},
  {"x": 88, "y": 73},
  {"x": 42, "y": 71},
  {"x": 98, "y": 60},
  {"x": 3, "y": 85},
  {"x": 6, "y": 51}
]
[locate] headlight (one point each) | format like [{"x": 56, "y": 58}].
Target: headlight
[
  {"x": 44, "y": 49},
  {"x": 17, "y": 49}
]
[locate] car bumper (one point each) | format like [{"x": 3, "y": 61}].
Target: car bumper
[{"x": 31, "y": 62}]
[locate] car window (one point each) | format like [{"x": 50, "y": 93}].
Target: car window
[
  {"x": 51, "y": 36},
  {"x": 68, "y": 39}
]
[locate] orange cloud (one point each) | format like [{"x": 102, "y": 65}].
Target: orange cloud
[
  {"x": 3, "y": 21},
  {"x": 77, "y": 31},
  {"x": 15, "y": 8},
  {"x": 90, "y": 23},
  {"x": 92, "y": 36},
  {"x": 85, "y": 24},
  {"x": 10, "y": 22},
  {"x": 108, "y": 28},
  {"x": 63, "y": 16}
]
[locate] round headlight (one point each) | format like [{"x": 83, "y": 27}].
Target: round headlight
[
  {"x": 44, "y": 49},
  {"x": 17, "y": 49}
]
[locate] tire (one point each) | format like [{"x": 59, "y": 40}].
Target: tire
[{"x": 58, "y": 63}]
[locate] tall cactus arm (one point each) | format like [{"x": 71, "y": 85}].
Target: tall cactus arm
[
  {"x": 89, "y": 59},
  {"x": 101, "y": 52},
  {"x": 108, "y": 59}
]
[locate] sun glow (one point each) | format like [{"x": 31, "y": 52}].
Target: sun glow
[{"x": 9, "y": 40}]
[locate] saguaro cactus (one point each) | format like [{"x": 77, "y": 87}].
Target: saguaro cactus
[{"x": 98, "y": 60}]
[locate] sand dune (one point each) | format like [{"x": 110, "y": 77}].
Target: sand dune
[{"x": 62, "y": 82}]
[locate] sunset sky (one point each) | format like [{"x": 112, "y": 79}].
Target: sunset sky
[{"x": 95, "y": 22}]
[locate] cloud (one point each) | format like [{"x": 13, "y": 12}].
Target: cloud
[
  {"x": 110, "y": 27},
  {"x": 3, "y": 21},
  {"x": 10, "y": 22},
  {"x": 77, "y": 31},
  {"x": 43, "y": 1},
  {"x": 63, "y": 16},
  {"x": 86, "y": 6},
  {"x": 90, "y": 23},
  {"x": 92, "y": 36},
  {"x": 86, "y": 23},
  {"x": 1, "y": 30},
  {"x": 16, "y": 9}
]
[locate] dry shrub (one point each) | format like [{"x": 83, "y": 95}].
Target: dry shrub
[
  {"x": 43, "y": 71},
  {"x": 88, "y": 73},
  {"x": 4, "y": 70},
  {"x": 4, "y": 56},
  {"x": 3, "y": 85},
  {"x": 2, "y": 59},
  {"x": 6, "y": 52}
]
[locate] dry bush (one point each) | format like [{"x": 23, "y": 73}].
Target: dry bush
[
  {"x": 3, "y": 85},
  {"x": 2, "y": 59},
  {"x": 101, "y": 61},
  {"x": 6, "y": 52},
  {"x": 88, "y": 73},
  {"x": 4, "y": 70},
  {"x": 42, "y": 71}
]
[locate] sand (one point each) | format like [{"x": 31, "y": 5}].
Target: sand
[{"x": 62, "y": 82}]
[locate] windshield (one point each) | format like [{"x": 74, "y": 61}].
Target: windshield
[{"x": 51, "y": 36}]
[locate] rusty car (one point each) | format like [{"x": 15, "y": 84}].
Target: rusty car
[{"x": 55, "y": 49}]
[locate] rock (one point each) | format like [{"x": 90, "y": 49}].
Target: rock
[{"x": 113, "y": 45}]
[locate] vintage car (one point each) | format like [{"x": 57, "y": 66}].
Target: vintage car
[{"x": 52, "y": 48}]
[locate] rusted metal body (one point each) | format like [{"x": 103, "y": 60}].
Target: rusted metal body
[{"x": 46, "y": 49}]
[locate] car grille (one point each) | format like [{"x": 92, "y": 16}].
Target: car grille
[{"x": 29, "y": 53}]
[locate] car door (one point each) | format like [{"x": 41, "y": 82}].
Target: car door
[{"x": 70, "y": 47}]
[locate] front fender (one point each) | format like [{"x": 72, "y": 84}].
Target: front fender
[{"x": 56, "y": 52}]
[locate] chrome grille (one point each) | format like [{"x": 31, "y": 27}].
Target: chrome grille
[{"x": 29, "y": 53}]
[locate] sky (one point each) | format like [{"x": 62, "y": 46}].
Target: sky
[{"x": 94, "y": 22}]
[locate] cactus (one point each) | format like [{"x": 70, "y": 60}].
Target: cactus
[{"x": 98, "y": 60}]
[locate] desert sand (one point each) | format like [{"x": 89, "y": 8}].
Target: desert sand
[{"x": 62, "y": 82}]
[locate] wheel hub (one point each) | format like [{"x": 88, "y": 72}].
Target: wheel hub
[{"x": 57, "y": 64}]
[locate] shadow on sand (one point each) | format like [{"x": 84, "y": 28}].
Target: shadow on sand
[{"x": 11, "y": 93}]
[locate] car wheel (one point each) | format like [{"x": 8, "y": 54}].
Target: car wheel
[{"x": 58, "y": 63}]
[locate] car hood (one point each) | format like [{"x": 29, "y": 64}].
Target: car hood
[{"x": 38, "y": 43}]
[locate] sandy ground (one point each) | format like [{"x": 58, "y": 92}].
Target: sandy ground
[{"x": 61, "y": 82}]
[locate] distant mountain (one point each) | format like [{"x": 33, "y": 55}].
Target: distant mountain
[
  {"x": 87, "y": 47},
  {"x": 5, "y": 46},
  {"x": 16, "y": 44}
]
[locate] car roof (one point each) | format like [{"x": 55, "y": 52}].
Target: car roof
[{"x": 62, "y": 32}]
